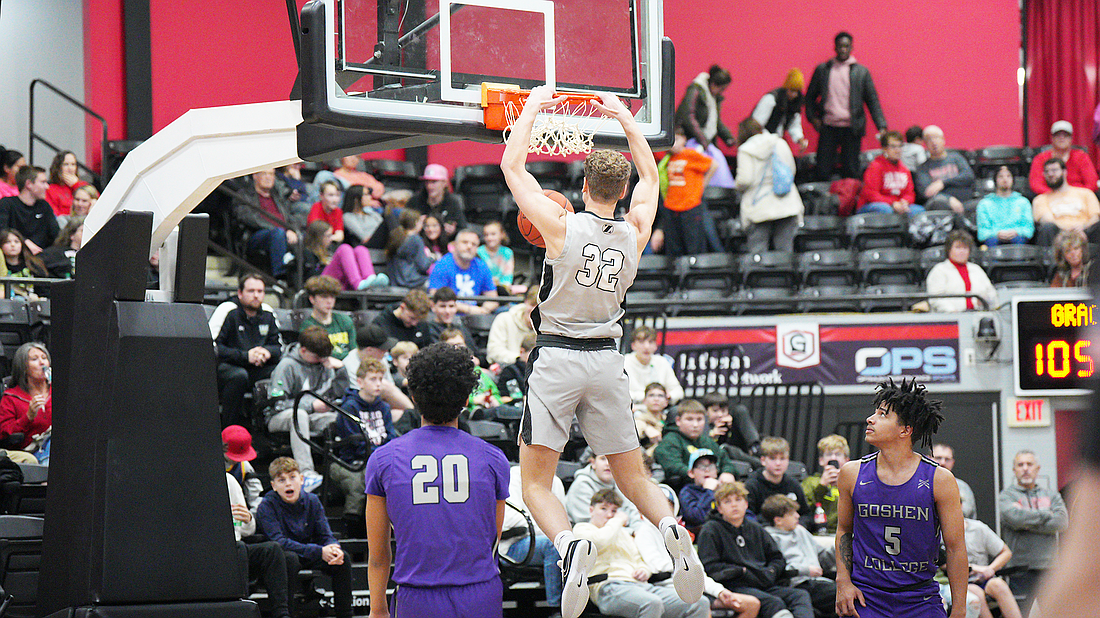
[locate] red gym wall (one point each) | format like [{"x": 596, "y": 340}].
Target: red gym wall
[{"x": 938, "y": 62}]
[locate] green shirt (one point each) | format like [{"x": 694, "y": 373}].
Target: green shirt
[
  {"x": 341, "y": 332},
  {"x": 827, "y": 496}
]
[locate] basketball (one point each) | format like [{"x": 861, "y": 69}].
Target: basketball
[{"x": 528, "y": 229}]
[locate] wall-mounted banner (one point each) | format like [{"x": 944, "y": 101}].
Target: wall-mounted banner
[{"x": 832, "y": 354}]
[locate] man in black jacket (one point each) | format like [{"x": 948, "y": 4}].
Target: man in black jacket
[
  {"x": 247, "y": 343},
  {"x": 743, "y": 557},
  {"x": 839, "y": 89}
]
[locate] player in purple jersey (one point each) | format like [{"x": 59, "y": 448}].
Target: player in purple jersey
[
  {"x": 443, "y": 490},
  {"x": 894, "y": 506}
]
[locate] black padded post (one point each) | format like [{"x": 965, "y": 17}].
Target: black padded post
[
  {"x": 137, "y": 518},
  {"x": 190, "y": 279}
]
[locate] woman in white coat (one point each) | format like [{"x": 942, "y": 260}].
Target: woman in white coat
[
  {"x": 958, "y": 275},
  {"x": 768, "y": 218}
]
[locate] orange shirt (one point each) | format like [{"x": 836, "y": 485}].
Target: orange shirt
[{"x": 686, "y": 170}]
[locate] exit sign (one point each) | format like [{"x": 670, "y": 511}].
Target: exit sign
[{"x": 1029, "y": 413}]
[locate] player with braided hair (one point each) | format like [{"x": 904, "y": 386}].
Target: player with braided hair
[{"x": 894, "y": 507}]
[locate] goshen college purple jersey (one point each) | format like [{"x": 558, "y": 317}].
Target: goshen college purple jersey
[
  {"x": 896, "y": 528},
  {"x": 441, "y": 487}
]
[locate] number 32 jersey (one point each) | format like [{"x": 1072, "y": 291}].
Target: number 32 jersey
[
  {"x": 896, "y": 528},
  {"x": 441, "y": 487},
  {"x": 584, "y": 288}
]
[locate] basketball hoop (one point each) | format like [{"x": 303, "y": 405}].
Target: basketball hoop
[{"x": 565, "y": 129}]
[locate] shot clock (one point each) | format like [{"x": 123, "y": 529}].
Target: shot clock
[{"x": 1054, "y": 344}]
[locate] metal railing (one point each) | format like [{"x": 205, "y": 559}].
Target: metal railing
[{"x": 87, "y": 112}]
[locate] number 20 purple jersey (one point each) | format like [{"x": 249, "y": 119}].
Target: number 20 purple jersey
[
  {"x": 441, "y": 487},
  {"x": 896, "y": 528}
]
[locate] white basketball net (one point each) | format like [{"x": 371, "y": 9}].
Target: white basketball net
[{"x": 564, "y": 130}]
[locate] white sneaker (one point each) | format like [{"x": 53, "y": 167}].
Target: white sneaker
[
  {"x": 311, "y": 481},
  {"x": 579, "y": 559},
  {"x": 687, "y": 571}
]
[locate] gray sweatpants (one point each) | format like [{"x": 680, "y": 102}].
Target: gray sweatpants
[{"x": 644, "y": 600}]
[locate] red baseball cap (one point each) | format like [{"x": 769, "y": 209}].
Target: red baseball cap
[{"x": 238, "y": 443}]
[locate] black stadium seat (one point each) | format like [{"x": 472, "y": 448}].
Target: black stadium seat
[
  {"x": 1015, "y": 263},
  {"x": 712, "y": 271},
  {"x": 481, "y": 186},
  {"x": 874, "y": 230},
  {"x": 831, "y": 267},
  {"x": 656, "y": 275},
  {"x": 872, "y": 305},
  {"x": 890, "y": 265},
  {"x": 769, "y": 269},
  {"x": 818, "y": 232},
  {"x": 845, "y": 301},
  {"x": 395, "y": 174},
  {"x": 931, "y": 256}
]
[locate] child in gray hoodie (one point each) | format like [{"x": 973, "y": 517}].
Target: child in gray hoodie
[{"x": 800, "y": 550}]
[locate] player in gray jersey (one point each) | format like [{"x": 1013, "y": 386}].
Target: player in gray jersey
[{"x": 575, "y": 368}]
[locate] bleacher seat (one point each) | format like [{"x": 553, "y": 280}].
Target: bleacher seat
[
  {"x": 890, "y": 265},
  {"x": 481, "y": 186},
  {"x": 828, "y": 267},
  {"x": 875, "y": 305},
  {"x": 732, "y": 234},
  {"x": 553, "y": 175},
  {"x": 1015, "y": 263},
  {"x": 988, "y": 159},
  {"x": 845, "y": 303},
  {"x": 394, "y": 174},
  {"x": 818, "y": 232},
  {"x": 290, "y": 322},
  {"x": 875, "y": 230},
  {"x": 712, "y": 271},
  {"x": 931, "y": 256},
  {"x": 479, "y": 325},
  {"x": 783, "y": 297},
  {"x": 986, "y": 185},
  {"x": 15, "y": 324},
  {"x": 769, "y": 269},
  {"x": 20, "y": 560},
  {"x": 817, "y": 199},
  {"x": 723, "y": 202},
  {"x": 700, "y": 295},
  {"x": 656, "y": 275}
]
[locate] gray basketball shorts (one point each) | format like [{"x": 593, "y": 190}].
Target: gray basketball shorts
[{"x": 590, "y": 384}]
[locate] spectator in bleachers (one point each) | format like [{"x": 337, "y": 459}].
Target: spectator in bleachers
[
  {"x": 361, "y": 219},
  {"x": 595, "y": 476},
  {"x": 10, "y": 162},
  {"x": 404, "y": 321},
  {"x": 263, "y": 194},
  {"x": 739, "y": 554},
  {"x": 779, "y": 111},
  {"x": 779, "y": 515},
  {"x": 839, "y": 89},
  {"x": 1004, "y": 216},
  {"x": 945, "y": 180},
  {"x": 432, "y": 233},
  {"x": 237, "y": 454},
  {"x": 832, "y": 454},
  {"x": 887, "y": 183},
  {"x": 327, "y": 209},
  {"x": 407, "y": 258},
  {"x": 394, "y": 203},
  {"x": 770, "y": 220},
  {"x": 322, "y": 291},
  {"x": 651, "y": 416},
  {"x": 1072, "y": 260},
  {"x": 499, "y": 257},
  {"x": 265, "y": 559},
  {"x": 677, "y": 445},
  {"x": 913, "y": 152},
  {"x": 359, "y": 440},
  {"x": 297, "y": 522},
  {"x": 733, "y": 428},
  {"x": 19, "y": 262},
  {"x": 401, "y": 354},
  {"x": 773, "y": 478},
  {"x": 63, "y": 180},
  {"x": 60, "y": 257},
  {"x": 1064, "y": 207},
  {"x": 373, "y": 342},
  {"x": 349, "y": 174},
  {"x": 26, "y": 406},
  {"x": 685, "y": 172},
  {"x": 644, "y": 366},
  {"x": 515, "y": 547},
  {"x": 697, "y": 497},
  {"x": 512, "y": 381},
  {"x": 1079, "y": 169},
  {"x": 1031, "y": 519},
  {"x": 291, "y": 176},
  {"x": 465, "y": 273},
  {"x": 958, "y": 275},
  {"x": 29, "y": 212},
  {"x": 246, "y": 338},
  {"x": 351, "y": 266},
  {"x": 627, "y": 591},
  {"x": 987, "y": 554},
  {"x": 445, "y": 315},
  {"x": 437, "y": 199},
  {"x": 83, "y": 199},
  {"x": 307, "y": 365},
  {"x": 945, "y": 456},
  {"x": 699, "y": 116},
  {"x": 509, "y": 328}
]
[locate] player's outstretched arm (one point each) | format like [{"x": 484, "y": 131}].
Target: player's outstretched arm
[
  {"x": 847, "y": 594},
  {"x": 949, "y": 507},
  {"x": 547, "y": 216},
  {"x": 643, "y": 203},
  {"x": 378, "y": 555}
]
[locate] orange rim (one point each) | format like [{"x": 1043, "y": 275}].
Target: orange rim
[{"x": 495, "y": 99}]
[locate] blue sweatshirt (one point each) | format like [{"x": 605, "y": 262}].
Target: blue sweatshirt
[
  {"x": 996, "y": 213},
  {"x": 300, "y": 527},
  {"x": 377, "y": 418},
  {"x": 695, "y": 503}
]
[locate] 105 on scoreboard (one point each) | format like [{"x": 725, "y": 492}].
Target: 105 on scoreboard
[{"x": 1054, "y": 346}]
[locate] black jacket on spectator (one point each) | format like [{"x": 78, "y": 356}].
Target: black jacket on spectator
[
  {"x": 513, "y": 377},
  {"x": 451, "y": 210},
  {"x": 437, "y": 329},
  {"x": 691, "y": 116},
  {"x": 862, "y": 91},
  {"x": 36, "y": 223},
  {"x": 421, "y": 334},
  {"x": 760, "y": 488},
  {"x": 58, "y": 262},
  {"x": 241, "y": 333},
  {"x": 755, "y": 562}
]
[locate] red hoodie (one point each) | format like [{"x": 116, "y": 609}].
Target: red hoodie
[{"x": 886, "y": 181}]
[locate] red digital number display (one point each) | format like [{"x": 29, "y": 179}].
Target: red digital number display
[{"x": 1054, "y": 352}]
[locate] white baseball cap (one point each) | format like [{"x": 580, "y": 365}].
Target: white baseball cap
[{"x": 1061, "y": 125}]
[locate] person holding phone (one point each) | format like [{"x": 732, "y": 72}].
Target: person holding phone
[{"x": 832, "y": 453}]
